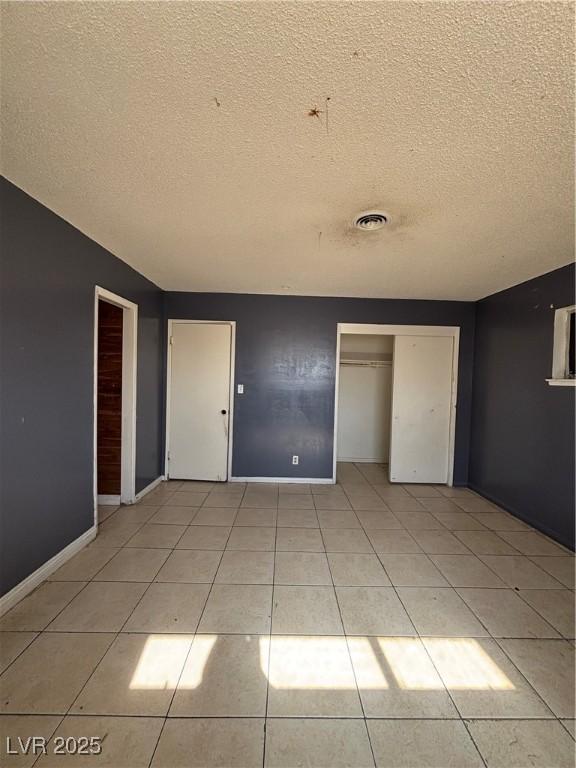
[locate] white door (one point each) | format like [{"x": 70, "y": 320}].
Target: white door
[
  {"x": 421, "y": 403},
  {"x": 199, "y": 401}
]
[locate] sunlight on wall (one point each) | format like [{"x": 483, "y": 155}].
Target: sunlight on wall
[{"x": 161, "y": 662}]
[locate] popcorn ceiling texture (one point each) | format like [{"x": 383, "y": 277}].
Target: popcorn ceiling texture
[{"x": 178, "y": 136}]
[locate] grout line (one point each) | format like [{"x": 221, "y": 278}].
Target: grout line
[{"x": 270, "y": 644}]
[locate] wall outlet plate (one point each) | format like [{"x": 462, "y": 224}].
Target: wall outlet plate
[
  {"x": 240, "y": 389},
  {"x": 295, "y": 460}
]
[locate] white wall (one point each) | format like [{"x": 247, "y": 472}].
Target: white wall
[{"x": 364, "y": 400}]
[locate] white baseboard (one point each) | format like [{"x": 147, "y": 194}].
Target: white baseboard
[
  {"x": 353, "y": 460},
  {"x": 150, "y": 487},
  {"x": 310, "y": 480},
  {"x": 30, "y": 583},
  {"x": 108, "y": 500}
]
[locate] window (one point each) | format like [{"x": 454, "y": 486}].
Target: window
[{"x": 564, "y": 357}]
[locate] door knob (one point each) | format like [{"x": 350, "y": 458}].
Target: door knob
[{"x": 223, "y": 412}]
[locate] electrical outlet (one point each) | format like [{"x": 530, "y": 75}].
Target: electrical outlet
[
  {"x": 295, "y": 460},
  {"x": 240, "y": 389}
]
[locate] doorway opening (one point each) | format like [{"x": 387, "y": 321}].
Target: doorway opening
[
  {"x": 395, "y": 403},
  {"x": 115, "y": 340},
  {"x": 199, "y": 403}
]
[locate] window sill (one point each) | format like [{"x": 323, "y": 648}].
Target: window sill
[{"x": 562, "y": 382}]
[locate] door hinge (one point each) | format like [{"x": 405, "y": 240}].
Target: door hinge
[
  {"x": 168, "y": 457},
  {"x": 171, "y": 341}
]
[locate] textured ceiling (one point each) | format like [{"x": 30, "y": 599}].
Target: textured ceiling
[{"x": 178, "y": 135}]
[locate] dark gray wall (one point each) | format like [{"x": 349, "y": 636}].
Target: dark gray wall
[
  {"x": 286, "y": 359},
  {"x": 48, "y": 273},
  {"x": 522, "y": 450}
]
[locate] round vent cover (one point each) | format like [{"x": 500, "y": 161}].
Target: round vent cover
[{"x": 370, "y": 221}]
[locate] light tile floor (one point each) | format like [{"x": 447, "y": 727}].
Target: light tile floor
[{"x": 354, "y": 625}]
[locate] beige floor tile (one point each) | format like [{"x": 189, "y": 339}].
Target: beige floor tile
[
  {"x": 37, "y": 610},
  {"x": 48, "y": 675},
  {"x": 85, "y": 565},
  {"x": 302, "y": 568},
  {"x": 422, "y": 491},
  {"x": 548, "y": 665},
  {"x": 457, "y": 492},
  {"x": 317, "y": 743},
  {"x": 260, "y": 499},
  {"x": 378, "y": 520},
  {"x": 556, "y": 606},
  {"x": 240, "y": 567},
  {"x": 523, "y": 743},
  {"x": 412, "y": 571},
  {"x": 105, "y": 511},
  {"x": 137, "y": 676},
  {"x": 532, "y": 543},
  {"x": 23, "y": 727},
  {"x": 299, "y": 540},
  {"x": 187, "y": 499},
  {"x": 419, "y": 521},
  {"x": 296, "y": 501},
  {"x": 500, "y": 521},
  {"x": 393, "y": 542},
  {"x": 519, "y": 572},
  {"x": 373, "y": 611},
  {"x": 205, "y": 537},
  {"x": 169, "y": 608},
  {"x": 169, "y": 515},
  {"x": 115, "y": 534},
  {"x": 223, "y": 677},
  {"x": 137, "y": 514},
  {"x": 350, "y": 570},
  {"x": 132, "y": 564},
  {"x": 192, "y": 566},
  {"x": 337, "y": 518},
  {"x": 439, "y": 504},
  {"x": 570, "y": 726},
  {"x": 439, "y": 542},
  {"x": 101, "y": 607},
  {"x": 215, "y": 516},
  {"x": 504, "y": 614},
  {"x": 405, "y": 504},
  {"x": 286, "y": 488},
  {"x": 252, "y": 539},
  {"x": 346, "y": 540},
  {"x": 423, "y": 744},
  {"x": 211, "y": 743},
  {"x": 328, "y": 502},
  {"x": 459, "y": 521},
  {"x": 440, "y": 611},
  {"x": 220, "y": 500},
  {"x": 305, "y": 611},
  {"x": 311, "y": 676},
  {"x": 368, "y": 503},
  {"x": 396, "y": 679},
  {"x": 297, "y": 518},
  {"x": 485, "y": 543},
  {"x": 203, "y": 486},
  {"x": 466, "y": 571},
  {"x": 482, "y": 680},
  {"x": 562, "y": 568},
  {"x": 152, "y": 536},
  {"x": 237, "y": 609},
  {"x": 475, "y": 504},
  {"x": 11, "y": 646},
  {"x": 387, "y": 492},
  {"x": 127, "y": 742},
  {"x": 258, "y": 517}
]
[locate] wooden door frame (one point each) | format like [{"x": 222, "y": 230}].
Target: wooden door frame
[
  {"x": 403, "y": 330},
  {"x": 232, "y": 324},
  {"x": 129, "y": 380}
]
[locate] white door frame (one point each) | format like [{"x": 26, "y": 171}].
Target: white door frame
[
  {"x": 232, "y": 324},
  {"x": 403, "y": 330},
  {"x": 129, "y": 368}
]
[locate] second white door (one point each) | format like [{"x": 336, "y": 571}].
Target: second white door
[
  {"x": 421, "y": 403},
  {"x": 199, "y": 393}
]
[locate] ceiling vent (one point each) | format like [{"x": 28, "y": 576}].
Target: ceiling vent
[{"x": 370, "y": 221}]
